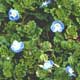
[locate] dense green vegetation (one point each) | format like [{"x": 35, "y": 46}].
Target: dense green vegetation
[{"x": 33, "y": 28}]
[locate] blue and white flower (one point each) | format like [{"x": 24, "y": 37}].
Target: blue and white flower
[
  {"x": 48, "y": 64},
  {"x": 57, "y": 26},
  {"x": 17, "y": 47},
  {"x": 45, "y": 4},
  {"x": 13, "y": 15},
  {"x": 70, "y": 71}
]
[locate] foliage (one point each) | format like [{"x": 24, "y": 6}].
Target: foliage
[{"x": 33, "y": 28}]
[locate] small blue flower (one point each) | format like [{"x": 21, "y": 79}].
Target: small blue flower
[
  {"x": 48, "y": 64},
  {"x": 45, "y": 4},
  {"x": 13, "y": 15},
  {"x": 57, "y": 26},
  {"x": 17, "y": 47},
  {"x": 70, "y": 71}
]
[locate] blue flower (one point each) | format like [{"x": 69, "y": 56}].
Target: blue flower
[
  {"x": 57, "y": 26},
  {"x": 13, "y": 15},
  {"x": 70, "y": 71},
  {"x": 48, "y": 64},
  {"x": 45, "y": 4},
  {"x": 17, "y": 47}
]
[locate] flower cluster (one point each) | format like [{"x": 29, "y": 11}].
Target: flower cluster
[
  {"x": 49, "y": 64},
  {"x": 57, "y": 26}
]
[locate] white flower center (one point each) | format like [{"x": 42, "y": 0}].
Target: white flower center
[
  {"x": 16, "y": 45},
  {"x": 47, "y": 65},
  {"x": 57, "y": 25},
  {"x": 14, "y": 14},
  {"x": 71, "y": 71}
]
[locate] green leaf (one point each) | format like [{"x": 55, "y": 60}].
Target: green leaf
[
  {"x": 7, "y": 69},
  {"x": 46, "y": 46},
  {"x": 2, "y": 8},
  {"x": 71, "y": 32}
]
